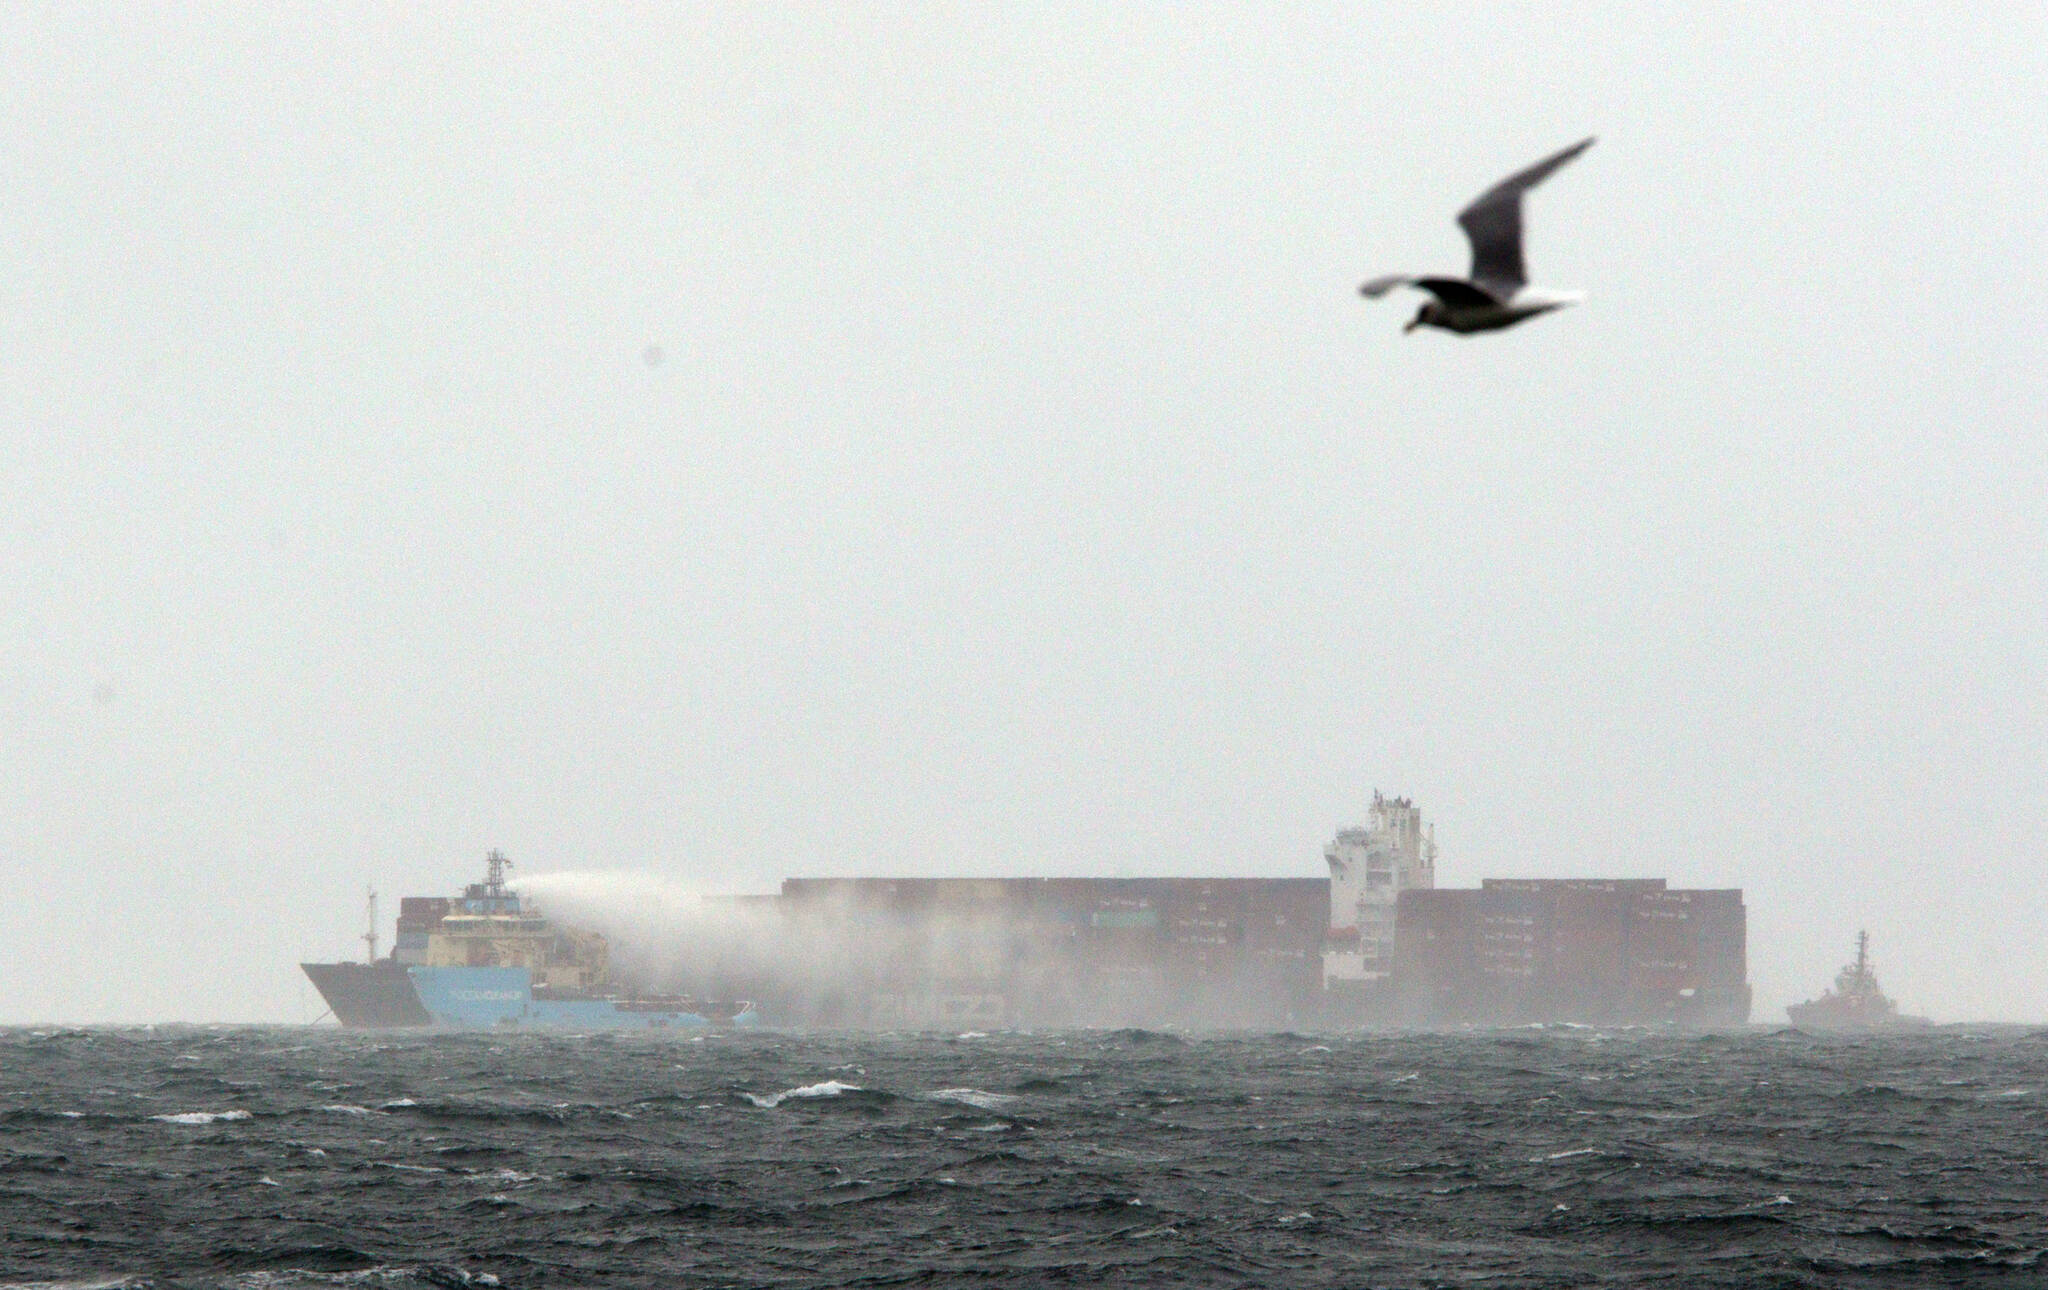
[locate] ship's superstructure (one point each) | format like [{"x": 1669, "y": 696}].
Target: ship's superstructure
[{"x": 1369, "y": 869}]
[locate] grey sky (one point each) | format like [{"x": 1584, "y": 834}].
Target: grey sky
[{"x": 1023, "y": 487}]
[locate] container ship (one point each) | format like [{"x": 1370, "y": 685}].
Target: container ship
[
  {"x": 1376, "y": 943},
  {"x": 488, "y": 959},
  {"x": 1856, "y": 1002}
]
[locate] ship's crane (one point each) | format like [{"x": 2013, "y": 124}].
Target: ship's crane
[{"x": 370, "y": 934}]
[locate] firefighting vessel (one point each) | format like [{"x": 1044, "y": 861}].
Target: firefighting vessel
[
  {"x": 1856, "y": 1002},
  {"x": 488, "y": 959}
]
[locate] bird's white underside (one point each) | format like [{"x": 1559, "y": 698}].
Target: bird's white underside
[{"x": 1545, "y": 297}]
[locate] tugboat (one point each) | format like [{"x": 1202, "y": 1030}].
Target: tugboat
[
  {"x": 1856, "y": 1002},
  {"x": 489, "y": 959}
]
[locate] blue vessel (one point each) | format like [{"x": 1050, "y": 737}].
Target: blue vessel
[{"x": 487, "y": 959}]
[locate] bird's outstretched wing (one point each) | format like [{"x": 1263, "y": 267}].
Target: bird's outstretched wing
[
  {"x": 1494, "y": 224},
  {"x": 1460, "y": 294},
  {"x": 1455, "y": 292}
]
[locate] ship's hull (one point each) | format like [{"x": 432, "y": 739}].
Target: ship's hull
[
  {"x": 369, "y": 996},
  {"x": 1828, "y": 1014},
  {"x": 386, "y": 995}
]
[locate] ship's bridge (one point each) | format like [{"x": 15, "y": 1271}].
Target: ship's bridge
[
  {"x": 492, "y": 896},
  {"x": 488, "y": 927}
]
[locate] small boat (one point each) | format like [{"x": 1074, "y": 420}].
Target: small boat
[{"x": 1856, "y": 1002}]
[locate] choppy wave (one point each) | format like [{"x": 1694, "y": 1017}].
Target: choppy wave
[
  {"x": 202, "y": 1117},
  {"x": 317, "y": 1160},
  {"x": 823, "y": 1088},
  {"x": 973, "y": 1097}
]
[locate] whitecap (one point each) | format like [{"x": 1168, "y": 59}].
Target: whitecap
[
  {"x": 973, "y": 1097},
  {"x": 396, "y": 1102},
  {"x": 1564, "y": 1155},
  {"x": 343, "y": 1108},
  {"x": 201, "y": 1117},
  {"x": 826, "y": 1088}
]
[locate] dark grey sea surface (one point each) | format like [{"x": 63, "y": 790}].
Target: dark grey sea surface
[{"x": 1542, "y": 1157}]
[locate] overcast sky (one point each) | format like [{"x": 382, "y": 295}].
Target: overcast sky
[{"x": 735, "y": 442}]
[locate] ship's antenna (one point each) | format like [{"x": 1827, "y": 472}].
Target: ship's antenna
[
  {"x": 370, "y": 935},
  {"x": 495, "y": 884}
]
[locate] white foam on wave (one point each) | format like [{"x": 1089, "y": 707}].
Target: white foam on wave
[
  {"x": 1565, "y": 1155},
  {"x": 201, "y": 1117},
  {"x": 396, "y": 1102},
  {"x": 826, "y": 1088},
  {"x": 973, "y": 1097},
  {"x": 344, "y": 1108}
]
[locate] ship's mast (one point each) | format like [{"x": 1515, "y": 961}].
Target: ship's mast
[
  {"x": 494, "y": 885},
  {"x": 1862, "y": 955},
  {"x": 370, "y": 934}
]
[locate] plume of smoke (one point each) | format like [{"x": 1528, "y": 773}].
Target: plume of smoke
[
  {"x": 665, "y": 935},
  {"x": 836, "y": 960}
]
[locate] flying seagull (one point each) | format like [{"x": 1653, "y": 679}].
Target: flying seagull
[{"x": 1498, "y": 293}]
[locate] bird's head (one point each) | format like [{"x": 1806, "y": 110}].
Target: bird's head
[{"x": 1424, "y": 317}]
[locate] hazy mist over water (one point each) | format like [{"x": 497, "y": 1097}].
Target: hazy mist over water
[{"x": 718, "y": 443}]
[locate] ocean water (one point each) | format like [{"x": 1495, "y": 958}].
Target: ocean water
[{"x": 1542, "y": 1157}]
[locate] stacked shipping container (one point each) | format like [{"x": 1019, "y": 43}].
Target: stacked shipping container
[
  {"x": 1063, "y": 951},
  {"x": 1590, "y": 950},
  {"x": 1248, "y": 952}
]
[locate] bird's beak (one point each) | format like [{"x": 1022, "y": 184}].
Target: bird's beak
[{"x": 1409, "y": 326}]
